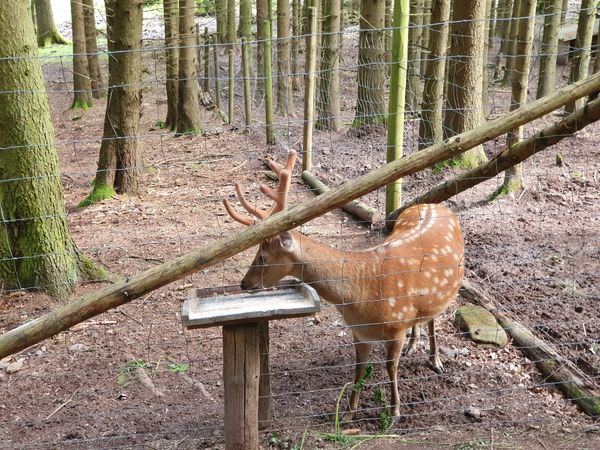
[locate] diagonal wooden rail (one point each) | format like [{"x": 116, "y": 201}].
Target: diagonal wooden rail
[{"x": 112, "y": 296}]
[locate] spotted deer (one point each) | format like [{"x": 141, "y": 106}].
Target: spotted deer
[{"x": 380, "y": 291}]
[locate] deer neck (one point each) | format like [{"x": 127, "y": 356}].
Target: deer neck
[{"x": 338, "y": 276}]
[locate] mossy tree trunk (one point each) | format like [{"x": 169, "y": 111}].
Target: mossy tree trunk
[
  {"x": 503, "y": 28},
  {"x": 513, "y": 178},
  {"x": 328, "y": 104},
  {"x": 47, "y": 34},
  {"x": 171, "y": 18},
  {"x": 36, "y": 248},
  {"x": 296, "y": 19},
  {"x": 511, "y": 44},
  {"x": 262, "y": 14},
  {"x": 465, "y": 75},
  {"x": 82, "y": 88},
  {"x": 371, "y": 77},
  {"x": 427, "y": 7},
  {"x": 246, "y": 32},
  {"x": 549, "y": 48},
  {"x": 221, "y": 17},
  {"x": 580, "y": 64},
  {"x": 91, "y": 46},
  {"x": 120, "y": 161},
  {"x": 230, "y": 34},
  {"x": 431, "y": 124},
  {"x": 415, "y": 34},
  {"x": 285, "y": 100},
  {"x": 188, "y": 107}
]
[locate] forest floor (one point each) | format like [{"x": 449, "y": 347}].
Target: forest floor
[{"x": 538, "y": 252}]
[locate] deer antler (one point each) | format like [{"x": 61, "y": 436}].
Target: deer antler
[{"x": 278, "y": 195}]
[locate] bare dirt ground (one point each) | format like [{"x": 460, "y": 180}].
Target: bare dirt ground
[{"x": 538, "y": 252}]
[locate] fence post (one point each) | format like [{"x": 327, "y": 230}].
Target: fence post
[
  {"x": 309, "y": 89},
  {"x": 268, "y": 84},
  {"x": 231, "y": 83},
  {"x": 216, "y": 62},
  {"x": 247, "y": 93},
  {"x": 395, "y": 132},
  {"x": 206, "y": 51}
]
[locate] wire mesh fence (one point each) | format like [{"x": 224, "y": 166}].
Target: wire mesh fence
[{"x": 136, "y": 376}]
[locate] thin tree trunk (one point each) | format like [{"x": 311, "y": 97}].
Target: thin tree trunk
[
  {"x": 328, "y": 104},
  {"x": 431, "y": 124},
  {"x": 246, "y": 32},
  {"x": 511, "y": 44},
  {"x": 513, "y": 179},
  {"x": 188, "y": 108},
  {"x": 485, "y": 62},
  {"x": 171, "y": 18},
  {"x": 506, "y": 9},
  {"x": 91, "y": 46},
  {"x": 230, "y": 34},
  {"x": 565, "y": 9},
  {"x": 82, "y": 89},
  {"x": 262, "y": 14},
  {"x": 581, "y": 59},
  {"x": 465, "y": 74},
  {"x": 296, "y": 12},
  {"x": 36, "y": 248},
  {"x": 415, "y": 33},
  {"x": 47, "y": 34},
  {"x": 549, "y": 48},
  {"x": 285, "y": 100},
  {"x": 427, "y": 6},
  {"x": 371, "y": 77},
  {"x": 120, "y": 161},
  {"x": 221, "y": 18}
]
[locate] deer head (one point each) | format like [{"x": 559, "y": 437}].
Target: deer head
[{"x": 276, "y": 256}]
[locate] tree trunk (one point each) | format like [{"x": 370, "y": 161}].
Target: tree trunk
[
  {"x": 583, "y": 43},
  {"x": 511, "y": 43},
  {"x": 465, "y": 75},
  {"x": 415, "y": 33},
  {"x": 563, "y": 15},
  {"x": 91, "y": 46},
  {"x": 485, "y": 62},
  {"x": 427, "y": 6},
  {"x": 430, "y": 127},
  {"x": 296, "y": 12},
  {"x": 371, "y": 78},
  {"x": 230, "y": 33},
  {"x": 82, "y": 88},
  {"x": 285, "y": 101},
  {"x": 513, "y": 179},
  {"x": 188, "y": 107},
  {"x": 262, "y": 14},
  {"x": 328, "y": 104},
  {"x": 505, "y": 15},
  {"x": 47, "y": 34},
  {"x": 120, "y": 161},
  {"x": 246, "y": 31},
  {"x": 36, "y": 248},
  {"x": 221, "y": 18},
  {"x": 549, "y": 48},
  {"x": 171, "y": 17}
]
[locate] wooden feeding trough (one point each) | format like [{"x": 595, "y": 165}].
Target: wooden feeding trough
[{"x": 245, "y": 320}]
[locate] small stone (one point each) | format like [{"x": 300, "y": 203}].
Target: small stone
[
  {"x": 77, "y": 348},
  {"x": 342, "y": 334},
  {"x": 473, "y": 412},
  {"x": 16, "y": 366},
  {"x": 480, "y": 325}
]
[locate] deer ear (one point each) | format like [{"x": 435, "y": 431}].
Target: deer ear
[{"x": 285, "y": 240}]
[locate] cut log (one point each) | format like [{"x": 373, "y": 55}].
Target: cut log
[
  {"x": 358, "y": 209},
  {"x": 110, "y": 297},
  {"x": 519, "y": 152},
  {"x": 557, "y": 370}
]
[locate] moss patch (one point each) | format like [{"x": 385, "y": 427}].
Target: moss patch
[{"x": 99, "y": 193}]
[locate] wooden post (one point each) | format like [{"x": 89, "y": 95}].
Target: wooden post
[
  {"x": 309, "y": 89},
  {"x": 265, "y": 403},
  {"x": 216, "y": 62},
  {"x": 247, "y": 93},
  {"x": 241, "y": 371},
  {"x": 198, "y": 56},
  {"x": 268, "y": 84},
  {"x": 231, "y": 84},
  {"x": 206, "y": 50}
]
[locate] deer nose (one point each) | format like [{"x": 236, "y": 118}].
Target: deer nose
[{"x": 245, "y": 286}]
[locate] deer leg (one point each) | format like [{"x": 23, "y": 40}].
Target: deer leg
[
  {"x": 394, "y": 349},
  {"x": 363, "y": 350},
  {"x": 434, "y": 358},
  {"x": 413, "y": 340}
]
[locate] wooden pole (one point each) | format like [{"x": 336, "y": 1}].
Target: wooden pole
[
  {"x": 247, "y": 92},
  {"x": 309, "y": 89},
  {"x": 241, "y": 371},
  {"x": 198, "y": 55},
  {"x": 206, "y": 59},
  {"x": 267, "y": 56},
  {"x": 509, "y": 157},
  {"x": 102, "y": 300},
  {"x": 395, "y": 131},
  {"x": 231, "y": 84},
  {"x": 216, "y": 64},
  {"x": 265, "y": 401}
]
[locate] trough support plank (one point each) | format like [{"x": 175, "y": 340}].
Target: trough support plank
[{"x": 265, "y": 411}]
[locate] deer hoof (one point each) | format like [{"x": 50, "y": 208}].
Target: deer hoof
[{"x": 437, "y": 366}]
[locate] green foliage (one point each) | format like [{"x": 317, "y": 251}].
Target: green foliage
[
  {"x": 205, "y": 7},
  {"x": 152, "y": 2},
  {"x": 124, "y": 374},
  {"x": 360, "y": 385},
  {"x": 99, "y": 193},
  {"x": 179, "y": 367}
]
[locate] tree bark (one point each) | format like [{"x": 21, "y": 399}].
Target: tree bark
[
  {"x": 82, "y": 88},
  {"x": 463, "y": 110},
  {"x": 230, "y": 33},
  {"x": 285, "y": 100},
  {"x": 171, "y": 18},
  {"x": 549, "y": 48},
  {"x": 430, "y": 126},
  {"x": 188, "y": 107},
  {"x": 415, "y": 34},
  {"x": 328, "y": 104},
  {"x": 115, "y": 295},
  {"x": 120, "y": 161},
  {"x": 36, "y": 248},
  {"x": 91, "y": 46},
  {"x": 47, "y": 34},
  {"x": 296, "y": 13},
  {"x": 262, "y": 14},
  {"x": 221, "y": 18},
  {"x": 581, "y": 59},
  {"x": 371, "y": 78}
]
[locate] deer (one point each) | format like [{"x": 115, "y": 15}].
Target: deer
[{"x": 381, "y": 291}]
